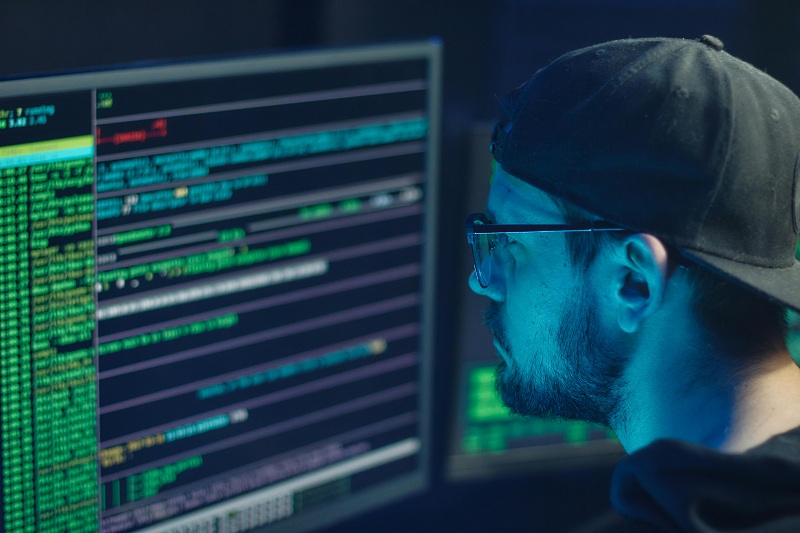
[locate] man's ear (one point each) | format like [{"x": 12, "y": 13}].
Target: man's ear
[{"x": 642, "y": 272}]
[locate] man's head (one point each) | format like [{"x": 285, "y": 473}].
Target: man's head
[{"x": 692, "y": 151}]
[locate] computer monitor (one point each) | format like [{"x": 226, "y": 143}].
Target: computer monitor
[
  {"x": 215, "y": 310},
  {"x": 485, "y": 440}
]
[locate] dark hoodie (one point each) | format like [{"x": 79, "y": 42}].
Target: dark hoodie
[{"x": 675, "y": 486}]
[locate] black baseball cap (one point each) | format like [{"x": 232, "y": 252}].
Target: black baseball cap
[{"x": 672, "y": 137}]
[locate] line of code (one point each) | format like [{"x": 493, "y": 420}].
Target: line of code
[{"x": 200, "y": 162}]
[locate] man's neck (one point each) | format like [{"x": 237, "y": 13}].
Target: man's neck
[
  {"x": 691, "y": 393},
  {"x": 764, "y": 404}
]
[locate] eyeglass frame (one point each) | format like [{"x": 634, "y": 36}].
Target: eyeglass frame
[{"x": 476, "y": 225}]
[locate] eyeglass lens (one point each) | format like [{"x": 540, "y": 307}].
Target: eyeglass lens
[{"x": 481, "y": 254}]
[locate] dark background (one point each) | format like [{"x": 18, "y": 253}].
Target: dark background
[{"x": 490, "y": 47}]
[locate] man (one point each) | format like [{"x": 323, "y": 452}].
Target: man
[{"x": 639, "y": 253}]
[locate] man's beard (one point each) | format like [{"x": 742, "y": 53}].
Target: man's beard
[{"x": 580, "y": 382}]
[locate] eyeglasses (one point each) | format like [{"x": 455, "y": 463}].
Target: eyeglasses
[{"x": 484, "y": 237}]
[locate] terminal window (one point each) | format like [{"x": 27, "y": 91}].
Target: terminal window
[{"x": 214, "y": 315}]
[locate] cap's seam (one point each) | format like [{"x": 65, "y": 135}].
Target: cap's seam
[
  {"x": 622, "y": 80},
  {"x": 723, "y": 175}
]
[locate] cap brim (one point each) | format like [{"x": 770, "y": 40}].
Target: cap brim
[{"x": 781, "y": 285}]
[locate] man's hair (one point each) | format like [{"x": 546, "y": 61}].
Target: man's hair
[{"x": 741, "y": 321}]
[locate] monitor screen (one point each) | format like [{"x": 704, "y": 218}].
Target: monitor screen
[
  {"x": 215, "y": 304},
  {"x": 485, "y": 439}
]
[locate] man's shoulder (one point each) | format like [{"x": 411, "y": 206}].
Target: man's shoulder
[{"x": 680, "y": 486}]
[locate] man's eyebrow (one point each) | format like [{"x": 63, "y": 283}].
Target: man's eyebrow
[{"x": 490, "y": 218}]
